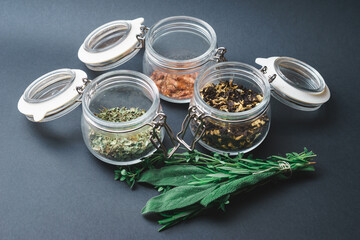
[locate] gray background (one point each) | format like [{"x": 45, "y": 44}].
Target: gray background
[{"x": 51, "y": 187}]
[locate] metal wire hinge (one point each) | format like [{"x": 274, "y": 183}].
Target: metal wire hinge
[
  {"x": 195, "y": 115},
  {"x": 141, "y": 37},
  {"x": 158, "y": 122},
  {"x": 220, "y": 55},
  {"x": 80, "y": 89},
  {"x": 264, "y": 71}
]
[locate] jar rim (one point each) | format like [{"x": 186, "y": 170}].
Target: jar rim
[
  {"x": 147, "y": 83},
  {"x": 263, "y": 84},
  {"x": 172, "y": 63},
  {"x": 48, "y": 80},
  {"x": 316, "y": 81},
  {"x": 103, "y": 32}
]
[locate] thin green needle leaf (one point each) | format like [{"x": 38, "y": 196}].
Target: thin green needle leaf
[
  {"x": 175, "y": 175},
  {"x": 219, "y": 175}
]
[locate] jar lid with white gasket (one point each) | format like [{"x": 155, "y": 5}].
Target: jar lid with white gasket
[
  {"x": 53, "y": 95},
  {"x": 112, "y": 44},
  {"x": 295, "y": 83}
]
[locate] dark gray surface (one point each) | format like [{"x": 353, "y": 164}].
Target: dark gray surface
[{"x": 51, "y": 187}]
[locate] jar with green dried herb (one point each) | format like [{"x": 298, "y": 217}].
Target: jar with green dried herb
[{"x": 122, "y": 118}]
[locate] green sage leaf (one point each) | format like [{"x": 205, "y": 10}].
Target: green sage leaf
[
  {"x": 176, "y": 217},
  {"x": 235, "y": 185},
  {"x": 178, "y": 197}
]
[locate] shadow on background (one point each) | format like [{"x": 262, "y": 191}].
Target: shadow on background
[
  {"x": 58, "y": 133},
  {"x": 325, "y": 117}
]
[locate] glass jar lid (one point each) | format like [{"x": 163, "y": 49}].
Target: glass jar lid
[
  {"x": 112, "y": 44},
  {"x": 295, "y": 83},
  {"x": 53, "y": 95}
]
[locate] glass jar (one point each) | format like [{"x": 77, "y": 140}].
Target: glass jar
[
  {"x": 289, "y": 80},
  {"x": 119, "y": 143},
  {"x": 176, "y": 50}
]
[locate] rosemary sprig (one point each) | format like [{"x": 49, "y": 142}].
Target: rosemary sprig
[{"x": 131, "y": 174}]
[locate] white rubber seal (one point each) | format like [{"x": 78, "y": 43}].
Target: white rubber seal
[
  {"x": 296, "y": 94},
  {"x": 117, "y": 51}
]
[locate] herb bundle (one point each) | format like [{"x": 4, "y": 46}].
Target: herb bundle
[{"x": 193, "y": 182}]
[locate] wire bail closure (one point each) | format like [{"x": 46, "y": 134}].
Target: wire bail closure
[
  {"x": 193, "y": 114},
  {"x": 220, "y": 55},
  {"x": 264, "y": 71},
  {"x": 141, "y": 37},
  {"x": 80, "y": 89},
  {"x": 157, "y": 123}
]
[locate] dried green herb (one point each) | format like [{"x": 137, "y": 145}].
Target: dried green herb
[
  {"x": 231, "y": 97},
  {"x": 117, "y": 114},
  {"x": 193, "y": 182},
  {"x": 121, "y": 146}
]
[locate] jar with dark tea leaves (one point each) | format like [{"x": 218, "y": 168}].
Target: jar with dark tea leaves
[
  {"x": 176, "y": 50},
  {"x": 230, "y": 110},
  {"x": 122, "y": 119}
]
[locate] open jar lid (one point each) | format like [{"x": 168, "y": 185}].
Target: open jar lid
[
  {"x": 112, "y": 44},
  {"x": 53, "y": 95},
  {"x": 295, "y": 83}
]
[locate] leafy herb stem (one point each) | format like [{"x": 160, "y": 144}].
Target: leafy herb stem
[{"x": 192, "y": 182}]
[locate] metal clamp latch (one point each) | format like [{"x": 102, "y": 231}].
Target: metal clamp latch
[
  {"x": 196, "y": 115},
  {"x": 264, "y": 71},
  {"x": 157, "y": 123},
  {"x": 141, "y": 37},
  {"x": 80, "y": 89},
  {"x": 220, "y": 55}
]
